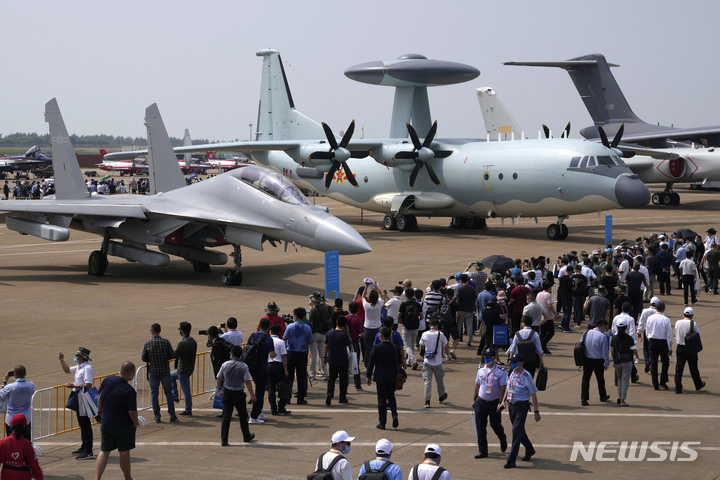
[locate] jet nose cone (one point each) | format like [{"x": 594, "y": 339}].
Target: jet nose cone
[
  {"x": 631, "y": 192},
  {"x": 334, "y": 234}
]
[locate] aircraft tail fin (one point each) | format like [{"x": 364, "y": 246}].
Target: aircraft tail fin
[
  {"x": 103, "y": 152},
  {"x": 210, "y": 155},
  {"x": 187, "y": 142},
  {"x": 277, "y": 117},
  {"x": 69, "y": 182},
  {"x": 497, "y": 118},
  {"x": 597, "y": 87},
  {"x": 163, "y": 169}
]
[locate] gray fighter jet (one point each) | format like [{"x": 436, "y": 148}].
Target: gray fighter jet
[
  {"x": 243, "y": 207},
  {"x": 608, "y": 107}
]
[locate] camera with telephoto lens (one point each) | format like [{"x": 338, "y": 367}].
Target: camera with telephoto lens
[
  {"x": 202, "y": 332},
  {"x": 287, "y": 318}
]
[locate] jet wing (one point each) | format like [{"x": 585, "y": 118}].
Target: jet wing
[
  {"x": 676, "y": 134},
  {"x": 648, "y": 152},
  {"x": 87, "y": 208}
]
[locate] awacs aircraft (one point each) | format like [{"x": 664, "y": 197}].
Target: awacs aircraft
[
  {"x": 129, "y": 167},
  {"x": 32, "y": 159},
  {"x": 245, "y": 207},
  {"x": 405, "y": 178},
  {"x": 662, "y": 165},
  {"x": 608, "y": 107}
]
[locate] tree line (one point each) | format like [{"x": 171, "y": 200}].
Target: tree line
[{"x": 27, "y": 140}]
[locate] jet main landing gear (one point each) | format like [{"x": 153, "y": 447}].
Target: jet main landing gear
[
  {"x": 402, "y": 221},
  {"x": 233, "y": 276},
  {"x": 557, "y": 231},
  {"x": 666, "y": 198}
]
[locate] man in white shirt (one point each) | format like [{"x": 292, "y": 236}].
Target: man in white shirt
[
  {"x": 393, "y": 305},
  {"x": 659, "y": 334},
  {"x": 623, "y": 269},
  {"x": 689, "y": 274},
  {"x": 84, "y": 376},
  {"x": 682, "y": 328},
  {"x": 341, "y": 469},
  {"x": 231, "y": 334},
  {"x": 430, "y": 465},
  {"x": 432, "y": 346},
  {"x": 277, "y": 372}
]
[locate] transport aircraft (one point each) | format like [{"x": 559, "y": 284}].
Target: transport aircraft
[
  {"x": 679, "y": 164},
  {"x": 243, "y": 207},
  {"x": 608, "y": 107},
  {"x": 412, "y": 174}
]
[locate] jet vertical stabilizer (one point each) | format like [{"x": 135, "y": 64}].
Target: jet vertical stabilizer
[
  {"x": 69, "y": 183},
  {"x": 496, "y": 116},
  {"x": 187, "y": 142},
  {"x": 277, "y": 117},
  {"x": 164, "y": 171}
]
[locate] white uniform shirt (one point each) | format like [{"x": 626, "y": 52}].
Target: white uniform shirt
[
  {"x": 629, "y": 321},
  {"x": 426, "y": 470},
  {"x": 233, "y": 336},
  {"x": 84, "y": 373},
  {"x": 644, "y": 315},
  {"x": 659, "y": 327},
  {"x": 682, "y": 328},
  {"x": 623, "y": 270},
  {"x": 342, "y": 469},
  {"x": 280, "y": 349}
]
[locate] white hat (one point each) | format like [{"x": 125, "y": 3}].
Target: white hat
[
  {"x": 621, "y": 323},
  {"x": 654, "y": 301},
  {"x": 383, "y": 446},
  {"x": 689, "y": 311},
  {"x": 433, "y": 448},
  {"x": 342, "y": 436},
  {"x": 661, "y": 236}
]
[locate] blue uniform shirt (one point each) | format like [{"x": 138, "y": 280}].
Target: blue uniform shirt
[
  {"x": 520, "y": 386},
  {"x": 392, "y": 471},
  {"x": 297, "y": 335},
  {"x": 490, "y": 376}
]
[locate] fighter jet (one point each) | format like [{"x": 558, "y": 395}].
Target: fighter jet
[
  {"x": 661, "y": 165},
  {"x": 32, "y": 159},
  {"x": 406, "y": 177},
  {"x": 608, "y": 107},
  {"x": 244, "y": 207},
  {"x": 130, "y": 167}
]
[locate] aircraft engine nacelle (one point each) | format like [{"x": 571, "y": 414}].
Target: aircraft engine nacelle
[
  {"x": 386, "y": 155},
  {"x": 302, "y": 155},
  {"x": 674, "y": 168}
]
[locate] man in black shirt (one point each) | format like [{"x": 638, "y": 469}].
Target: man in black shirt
[
  {"x": 635, "y": 280},
  {"x": 336, "y": 356}
]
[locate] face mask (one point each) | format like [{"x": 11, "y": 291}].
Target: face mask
[
  {"x": 76, "y": 358},
  {"x": 488, "y": 360},
  {"x": 347, "y": 450},
  {"x": 513, "y": 365}
]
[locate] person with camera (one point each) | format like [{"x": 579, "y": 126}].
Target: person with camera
[
  {"x": 19, "y": 397},
  {"x": 118, "y": 419},
  {"x": 432, "y": 345},
  {"x": 84, "y": 377},
  {"x": 230, "y": 332}
]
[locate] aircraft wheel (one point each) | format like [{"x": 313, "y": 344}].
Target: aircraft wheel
[
  {"x": 404, "y": 222},
  {"x": 656, "y": 199},
  {"x": 389, "y": 222},
  {"x": 232, "y": 278},
  {"x": 553, "y": 231},
  {"x": 413, "y": 221},
  {"x": 200, "y": 266},
  {"x": 97, "y": 263},
  {"x": 667, "y": 199},
  {"x": 676, "y": 198},
  {"x": 564, "y": 231}
]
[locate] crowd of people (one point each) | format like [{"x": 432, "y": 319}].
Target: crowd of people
[{"x": 608, "y": 294}]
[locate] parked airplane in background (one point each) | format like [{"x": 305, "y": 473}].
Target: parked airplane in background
[
  {"x": 467, "y": 181},
  {"x": 245, "y": 207},
  {"x": 664, "y": 165},
  {"x": 608, "y": 107},
  {"x": 225, "y": 164},
  {"x": 129, "y": 167},
  {"x": 32, "y": 159}
]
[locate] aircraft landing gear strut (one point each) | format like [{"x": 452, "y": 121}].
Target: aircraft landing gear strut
[
  {"x": 558, "y": 231},
  {"x": 402, "y": 221},
  {"x": 233, "y": 276},
  {"x": 98, "y": 262},
  {"x": 668, "y": 197}
]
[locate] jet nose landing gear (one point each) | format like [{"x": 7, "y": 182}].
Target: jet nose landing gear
[{"x": 557, "y": 231}]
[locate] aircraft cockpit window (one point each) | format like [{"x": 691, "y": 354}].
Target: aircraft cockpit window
[
  {"x": 574, "y": 162},
  {"x": 584, "y": 162},
  {"x": 273, "y": 184},
  {"x": 618, "y": 161},
  {"x": 252, "y": 176},
  {"x": 591, "y": 162},
  {"x": 292, "y": 195},
  {"x": 605, "y": 160}
]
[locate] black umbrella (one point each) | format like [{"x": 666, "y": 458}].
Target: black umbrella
[
  {"x": 686, "y": 233},
  {"x": 499, "y": 262}
]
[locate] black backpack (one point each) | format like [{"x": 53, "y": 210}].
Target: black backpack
[
  {"x": 446, "y": 316},
  {"x": 250, "y": 352},
  {"x": 324, "y": 473},
  {"x": 438, "y": 472},
  {"x": 579, "y": 351},
  {"x": 693, "y": 344},
  {"x": 411, "y": 317},
  {"x": 371, "y": 474},
  {"x": 526, "y": 347}
]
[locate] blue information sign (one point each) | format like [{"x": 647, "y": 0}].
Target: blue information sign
[
  {"x": 608, "y": 229},
  {"x": 332, "y": 273}
]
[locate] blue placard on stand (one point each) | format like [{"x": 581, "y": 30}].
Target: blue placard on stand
[
  {"x": 608, "y": 229},
  {"x": 332, "y": 273}
]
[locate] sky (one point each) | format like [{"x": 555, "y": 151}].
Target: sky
[{"x": 105, "y": 62}]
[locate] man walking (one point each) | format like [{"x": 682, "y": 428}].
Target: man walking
[
  {"x": 430, "y": 468},
  {"x": 490, "y": 385},
  {"x": 265, "y": 351},
  {"x": 117, "y": 406},
  {"x": 659, "y": 334},
  {"x": 409, "y": 315},
  {"x": 18, "y": 396},
  {"x": 157, "y": 352},
  {"x": 335, "y": 355},
  {"x": 382, "y": 463},
  {"x": 184, "y": 366},
  {"x": 521, "y": 389},
  {"x": 319, "y": 317},
  {"x": 432, "y": 345},
  {"x": 385, "y": 362},
  {"x": 334, "y": 461},
  {"x": 234, "y": 376},
  {"x": 682, "y": 329},
  {"x": 466, "y": 299},
  {"x": 299, "y": 337},
  {"x": 597, "y": 360},
  {"x": 277, "y": 373}
]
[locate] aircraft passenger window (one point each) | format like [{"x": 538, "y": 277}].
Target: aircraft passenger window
[
  {"x": 574, "y": 162},
  {"x": 515, "y": 176},
  {"x": 292, "y": 195},
  {"x": 500, "y": 176},
  {"x": 605, "y": 160},
  {"x": 591, "y": 162},
  {"x": 583, "y": 162},
  {"x": 486, "y": 176}
]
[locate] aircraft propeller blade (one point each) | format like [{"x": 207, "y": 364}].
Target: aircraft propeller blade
[
  {"x": 330, "y": 136},
  {"x": 603, "y": 137},
  {"x": 414, "y": 174},
  {"x": 431, "y": 172},
  {"x": 566, "y": 133},
  {"x": 422, "y": 153},
  {"x": 341, "y": 148},
  {"x": 349, "y": 174},
  {"x": 414, "y": 137},
  {"x": 546, "y": 130},
  {"x": 348, "y": 135},
  {"x": 430, "y": 136},
  {"x": 618, "y": 136},
  {"x": 331, "y": 174}
]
